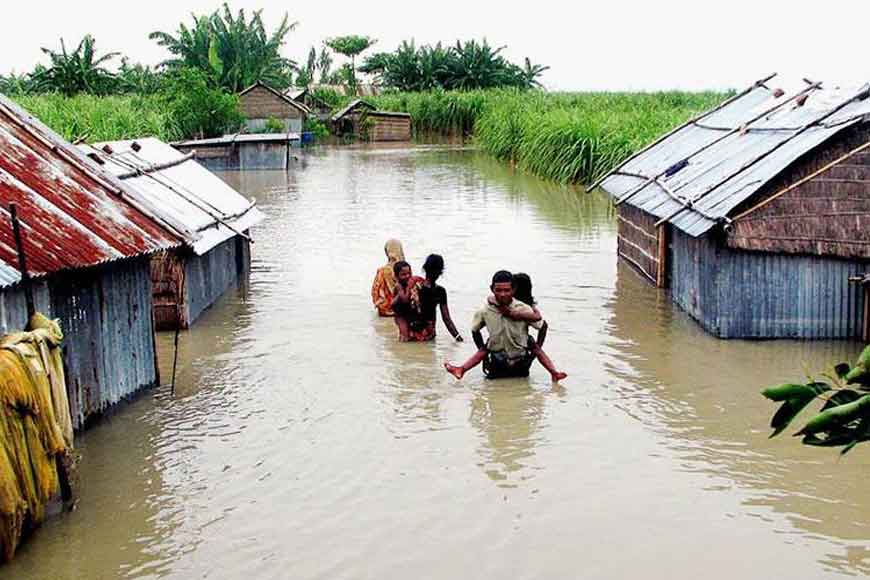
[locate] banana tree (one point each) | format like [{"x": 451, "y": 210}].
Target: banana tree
[
  {"x": 844, "y": 418},
  {"x": 79, "y": 71}
]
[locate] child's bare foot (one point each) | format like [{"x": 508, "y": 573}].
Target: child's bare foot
[
  {"x": 558, "y": 376},
  {"x": 457, "y": 372}
]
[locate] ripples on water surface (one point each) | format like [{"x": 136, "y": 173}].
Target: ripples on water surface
[{"x": 305, "y": 442}]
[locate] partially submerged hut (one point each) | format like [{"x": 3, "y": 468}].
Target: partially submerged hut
[
  {"x": 361, "y": 119},
  {"x": 244, "y": 152},
  {"x": 347, "y": 121},
  {"x": 756, "y": 214},
  {"x": 88, "y": 240},
  {"x": 216, "y": 219},
  {"x": 260, "y": 103}
]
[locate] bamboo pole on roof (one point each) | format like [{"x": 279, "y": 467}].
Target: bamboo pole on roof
[
  {"x": 723, "y": 104},
  {"x": 728, "y": 133},
  {"x": 862, "y": 94}
]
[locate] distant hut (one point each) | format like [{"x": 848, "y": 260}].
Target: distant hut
[
  {"x": 362, "y": 119},
  {"x": 215, "y": 217},
  {"x": 259, "y": 103},
  {"x": 88, "y": 240},
  {"x": 386, "y": 126},
  {"x": 317, "y": 107},
  {"x": 347, "y": 121},
  {"x": 756, "y": 214}
]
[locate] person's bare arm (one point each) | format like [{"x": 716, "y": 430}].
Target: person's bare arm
[
  {"x": 542, "y": 334},
  {"x": 448, "y": 322},
  {"x": 401, "y": 296},
  {"x": 531, "y": 315},
  {"x": 478, "y": 339}
]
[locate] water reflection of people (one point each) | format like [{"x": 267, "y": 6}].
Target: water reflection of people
[
  {"x": 384, "y": 284},
  {"x": 508, "y": 416}
]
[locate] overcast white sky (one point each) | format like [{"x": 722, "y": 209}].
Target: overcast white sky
[{"x": 609, "y": 44}]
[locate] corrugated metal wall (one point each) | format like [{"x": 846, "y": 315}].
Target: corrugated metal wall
[
  {"x": 108, "y": 346},
  {"x": 13, "y": 306},
  {"x": 736, "y": 294},
  {"x": 207, "y": 277}
]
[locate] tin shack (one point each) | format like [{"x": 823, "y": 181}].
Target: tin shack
[
  {"x": 244, "y": 152},
  {"x": 756, "y": 214},
  {"x": 88, "y": 240},
  {"x": 261, "y": 103},
  {"x": 216, "y": 253}
]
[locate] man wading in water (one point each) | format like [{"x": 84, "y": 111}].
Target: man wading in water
[{"x": 509, "y": 351}]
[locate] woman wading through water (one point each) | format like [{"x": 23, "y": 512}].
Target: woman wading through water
[{"x": 418, "y": 300}]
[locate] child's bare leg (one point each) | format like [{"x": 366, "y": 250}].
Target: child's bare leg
[
  {"x": 472, "y": 362},
  {"x": 404, "y": 329},
  {"x": 548, "y": 364}
]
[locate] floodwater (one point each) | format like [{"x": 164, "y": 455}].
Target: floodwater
[{"x": 303, "y": 441}]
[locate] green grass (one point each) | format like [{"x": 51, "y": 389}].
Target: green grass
[
  {"x": 102, "y": 118},
  {"x": 567, "y": 137}
]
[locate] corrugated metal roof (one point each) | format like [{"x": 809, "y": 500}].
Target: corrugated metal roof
[
  {"x": 351, "y": 106},
  {"x": 710, "y": 165},
  {"x": 180, "y": 189},
  {"x": 246, "y": 138},
  {"x": 72, "y": 215}
]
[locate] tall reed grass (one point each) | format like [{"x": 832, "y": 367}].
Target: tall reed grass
[
  {"x": 103, "y": 118},
  {"x": 567, "y": 137}
]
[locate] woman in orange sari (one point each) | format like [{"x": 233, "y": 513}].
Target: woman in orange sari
[{"x": 384, "y": 286}]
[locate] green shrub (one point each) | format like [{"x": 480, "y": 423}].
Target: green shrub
[
  {"x": 274, "y": 125},
  {"x": 317, "y": 127},
  {"x": 198, "y": 108}
]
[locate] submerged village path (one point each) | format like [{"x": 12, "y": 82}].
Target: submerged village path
[{"x": 304, "y": 442}]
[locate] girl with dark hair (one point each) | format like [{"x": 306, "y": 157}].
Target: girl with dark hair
[{"x": 431, "y": 298}]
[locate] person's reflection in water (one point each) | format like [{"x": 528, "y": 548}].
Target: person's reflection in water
[
  {"x": 508, "y": 414},
  {"x": 411, "y": 380}
]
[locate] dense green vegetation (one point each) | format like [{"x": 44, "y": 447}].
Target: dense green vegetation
[
  {"x": 232, "y": 50},
  {"x": 187, "y": 106},
  {"x": 465, "y": 66},
  {"x": 844, "y": 418},
  {"x": 102, "y": 118},
  {"x": 567, "y": 137}
]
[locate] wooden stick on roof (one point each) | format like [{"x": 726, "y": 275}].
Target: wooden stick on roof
[
  {"x": 861, "y": 94},
  {"x": 721, "y": 105},
  {"x": 729, "y": 132}
]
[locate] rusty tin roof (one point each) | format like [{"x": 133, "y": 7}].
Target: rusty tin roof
[{"x": 72, "y": 215}]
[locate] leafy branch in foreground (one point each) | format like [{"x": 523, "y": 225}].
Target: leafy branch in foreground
[{"x": 844, "y": 419}]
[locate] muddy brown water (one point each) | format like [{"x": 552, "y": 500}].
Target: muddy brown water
[{"x": 304, "y": 442}]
